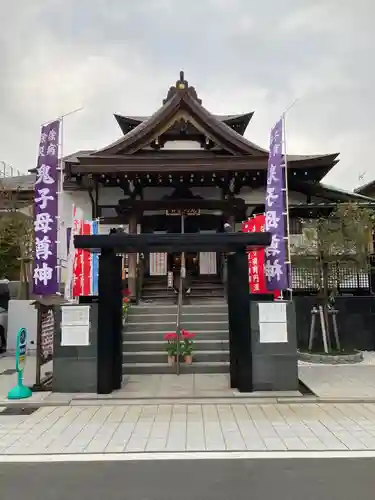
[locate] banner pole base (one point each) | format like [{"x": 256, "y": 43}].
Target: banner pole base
[{"x": 20, "y": 392}]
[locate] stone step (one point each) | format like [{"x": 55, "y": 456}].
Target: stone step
[
  {"x": 136, "y": 317},
  {"x": 197, "y": 295},
  {"x": 205, "y": 301},
  {"x": 163, "y": 368},
  {"x": 159, "y": 301},
  {"x": 156, "y": 335},
  {"x": 194, "y": 317},
  {"x": 186, "y": 317},
  {"x": 206, "y": 278},
  {"x": 161, "y": 357},
  {"x": 197, "y": 326},
  {"x": 159, "y": 345},
  {"x": 143, "y": 325},
  {"x": 154, "y": 292},
  {"x": 194, "y": 286},
  {"x": 173, "y": 297},
  {"x": 168, "y": 324},
  {"x": 206, "y": 290},
  {"x": 204, "y": 286},
  {"x": 147, "y": 308},
  {"x": 208, "y": 307}
]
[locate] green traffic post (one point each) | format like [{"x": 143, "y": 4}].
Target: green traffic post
[{"x": 20, "y": 391}]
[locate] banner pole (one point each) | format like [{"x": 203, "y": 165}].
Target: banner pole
[
  {"x": 60, "y": 251},
  {"x": 287, "y": 206}
]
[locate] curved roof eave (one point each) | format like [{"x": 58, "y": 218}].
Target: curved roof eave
[
  {"x": 369, "y": 186},
  {"x": 177, "y": 101},
  {"x": 343, "y": 191},
  {"x": 321, "y": 189},
  {"x": 328, "y": 157},
  {"x": 239, "y": 118},
  {"x": 222, "y": 127},
  {"x": 143, "y": 126}
]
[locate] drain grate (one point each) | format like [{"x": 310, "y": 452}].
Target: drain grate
[
  {"x": 9, "y": 371},
  {"x": 18, "y": 410}
]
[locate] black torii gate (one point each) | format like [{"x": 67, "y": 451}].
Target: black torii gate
[{"x": 109, "y": 356}]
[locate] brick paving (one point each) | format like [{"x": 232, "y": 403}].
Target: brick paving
[{"x": 190, "y": 427}]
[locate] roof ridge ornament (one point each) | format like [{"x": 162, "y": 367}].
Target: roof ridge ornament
[{"x": 182, "y": 86}]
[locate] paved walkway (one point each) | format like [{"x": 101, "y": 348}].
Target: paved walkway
[
  {"x": 339, "y": 381},
  {"x": 184, "y": 427},
  {"x": 8, "y": 375},
  {"x": 332, "y": 382}
]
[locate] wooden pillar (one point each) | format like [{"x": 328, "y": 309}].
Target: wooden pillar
[
  {"x": 132, "y": 260},
  {"x": 117, "y": 322},
  {"x": 240, "y": 348},
  {"x": 109, "y": 349},
  {"x": 372, "y": 274},
  {"x": 232, "y": 221}
]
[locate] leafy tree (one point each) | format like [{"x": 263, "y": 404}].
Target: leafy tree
[
  {"x": 341, "y": 240},
  {"x": 16, "y": 240}
]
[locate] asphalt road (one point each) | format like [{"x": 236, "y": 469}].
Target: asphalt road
[{"x": 284, "y": 479}]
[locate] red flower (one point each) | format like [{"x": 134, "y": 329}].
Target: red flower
[
  {"x": 170, "y": 336},
  {"x": 187, "y": 335},
  {"x": 125, "y": 299},
  {"x": 126, "y": 292}
]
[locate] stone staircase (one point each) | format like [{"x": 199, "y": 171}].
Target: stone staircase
[
  {"x": 202, "y": 287},
  {"x": 207, "y": 286},
  {"x": 155, "y": 290},
  {"x": 144, "y": 345}
]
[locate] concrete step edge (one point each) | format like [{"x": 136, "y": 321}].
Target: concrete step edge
[
  {"x": 150, "y": 306},
  {"x": 206, "y": 322},
  {"x": 197, "y": 363},
  {"x": 147, "y": 342},
  {"x": 163, "y": 332},
  {"x": 155, "y": 353},
  {"x": 192, "y": 313},
  {"x": 211, "y": 304},
  {"x": 132, "y": 314},
  {"x": 130, "y": 323}
]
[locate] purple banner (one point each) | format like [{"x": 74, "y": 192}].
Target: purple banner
[
  {"x": 275, "y": 267},
  {"x": 45, "y": 222}
]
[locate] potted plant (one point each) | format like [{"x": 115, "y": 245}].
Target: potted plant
[
  {"x": 187, "y": 346},
  {"x": 171, "y": 347},
  {"x": 125, "y": 304}
]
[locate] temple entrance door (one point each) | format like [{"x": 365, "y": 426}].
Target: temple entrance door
[
  {"x": 196, "y": 263},
  {"x": 158, "y": 261},
  {"x": 208, "y": 260},
  {"x": 191, "y": 263}
]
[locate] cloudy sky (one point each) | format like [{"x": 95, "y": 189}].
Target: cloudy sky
[{"x": 241, "y": 55}]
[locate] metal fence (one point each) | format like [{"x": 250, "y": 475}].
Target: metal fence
[{"x": 341, "y": 277}]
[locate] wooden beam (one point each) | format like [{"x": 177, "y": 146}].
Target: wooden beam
[{"x": 228, "y": 242}]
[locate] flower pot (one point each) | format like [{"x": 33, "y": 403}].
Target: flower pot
[
  {"x": 171, "y": 360},
  {"x": 188, "y": 359}
]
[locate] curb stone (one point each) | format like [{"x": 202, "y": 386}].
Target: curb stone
[{"x": 190, "y": 401}]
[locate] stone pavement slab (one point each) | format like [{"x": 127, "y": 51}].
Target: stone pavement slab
[
  {"x": 329, "y": 383},
  {"x": 8, "y": 376},
  {"x": 190, "y": 428},
  {"x": 339, "y": 381},
  {"x": 180, "y": 386}
]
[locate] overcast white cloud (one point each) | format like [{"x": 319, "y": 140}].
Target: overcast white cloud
[{"x": 241, "y": 55}]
